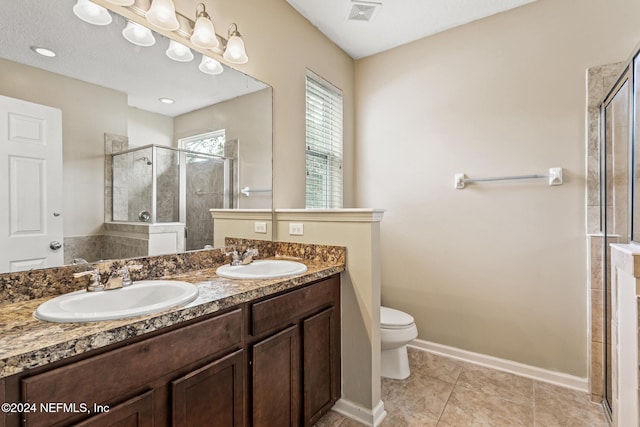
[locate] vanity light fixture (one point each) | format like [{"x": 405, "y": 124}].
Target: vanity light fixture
[
  {"x": 234, "y": 51},
  {"x": 138, "y": 35},
  {"x": 162, "y": 14},
  {"x": 43, "y": 51},
  {"x": 179, "y": 52},
  {"x": 204, "y": 34},
  {"x": 92, "y": 13},
  {"x": 209, "y": 65},
  {"x": 122, "y": 2}
]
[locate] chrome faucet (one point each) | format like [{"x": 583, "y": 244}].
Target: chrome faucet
[
  {"x": 244, "y": 258},
  {"x": 247, "y": 256},
  {"x": 121, "y": 277},
  {"x": 95, "y": 283},
  {"x": 117, "y": 279}
]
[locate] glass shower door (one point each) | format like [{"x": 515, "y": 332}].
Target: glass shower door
[
  {"x": 614, "y": 203},
  {"x": 207, "y": 188},
  {"x": 132, "y": 185}
]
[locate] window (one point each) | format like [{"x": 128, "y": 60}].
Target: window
[
  {"x": 324, "y": 144},
  {"x": 208, "y": 143}
]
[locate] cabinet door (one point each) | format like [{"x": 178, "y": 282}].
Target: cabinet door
[
  {"x": 130, "y": 368},
  {"x": 212, "y": 395},
  {"x": 321, "y": 364},
  {"x": 135, "y": 412},
  {"x": 275, "y": 375}
]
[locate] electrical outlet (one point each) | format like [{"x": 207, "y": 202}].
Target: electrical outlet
[
  {"x": 260, "y": 227},
  {"x": 296, "y": 229}
]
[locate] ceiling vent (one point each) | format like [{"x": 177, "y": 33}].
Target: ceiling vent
[{"x": 363, "y": 11}]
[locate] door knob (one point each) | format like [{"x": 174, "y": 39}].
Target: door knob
[{"x": 55, "y": 245}]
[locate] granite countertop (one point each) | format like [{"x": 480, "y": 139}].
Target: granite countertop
[{"x": 26, "y": 342}]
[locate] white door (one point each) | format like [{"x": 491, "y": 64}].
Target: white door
[{"x": 30, "y": 185}]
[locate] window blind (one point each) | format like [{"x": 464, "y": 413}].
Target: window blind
[{"x": 324, "y": 144}]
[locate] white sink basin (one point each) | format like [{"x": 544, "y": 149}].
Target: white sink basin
[
  {"x": 262, "y": 269},
  {"x": 143, "y": 297}
]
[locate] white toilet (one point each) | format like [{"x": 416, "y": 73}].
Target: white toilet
[{"x": 397, "y": 329}]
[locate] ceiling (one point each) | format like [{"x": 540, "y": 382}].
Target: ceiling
[
  {"x": 363, "y": 28},
  {"x": 100, "y": 55}
]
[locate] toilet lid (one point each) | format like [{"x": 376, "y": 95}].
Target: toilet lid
[{"x": 391, "y": 318}]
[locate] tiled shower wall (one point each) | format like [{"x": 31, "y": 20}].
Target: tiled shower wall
[
  {"x": 205, "y": 190},
  {"x": 599, "y": 81},
  {"x": 133, "y": 182},
  {"x": 112, "y": 144},
  {"x": 100, "y": 247}
]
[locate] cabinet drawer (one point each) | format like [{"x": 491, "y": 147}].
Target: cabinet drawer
[
  {"x": 105, "y": 378},
  {"x": 285, "y": 309}
]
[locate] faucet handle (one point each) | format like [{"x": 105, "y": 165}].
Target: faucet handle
[
  {"x": 235, "y": 257},
  {"x": 125, "y": 273},
  {"x": 95, "y": 283},
  {"x": 247, "y": 256}
]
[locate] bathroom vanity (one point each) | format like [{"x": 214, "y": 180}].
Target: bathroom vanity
[{"x": 258, "y": 353}]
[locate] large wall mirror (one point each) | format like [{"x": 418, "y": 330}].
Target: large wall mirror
[{"x": 136, "y": 174}]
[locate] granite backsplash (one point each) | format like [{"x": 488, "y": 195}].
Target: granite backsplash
[{"x": 28, "y": 285}]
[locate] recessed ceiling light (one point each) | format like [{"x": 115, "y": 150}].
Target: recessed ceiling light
[
  {"x": 166, "y": 100},
  {"x": 43, "y": 51}
]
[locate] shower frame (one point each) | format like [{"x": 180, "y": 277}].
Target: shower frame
[
  {"x": 229, "y": 182},
  {"x": 619, "y": 201}
]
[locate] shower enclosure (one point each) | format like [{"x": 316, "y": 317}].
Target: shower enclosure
[
  {"x": 615, "y": 208},
  {"x": 163, "y": 185}
]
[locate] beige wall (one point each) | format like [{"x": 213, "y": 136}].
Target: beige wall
[
  {"x": 248, "y": 119},
  {"x": 145, "y": 127},
  {"x": 88, "y": 111},
  {"x": 280, "y": 45},
  {"x": 496, "y": 268},
  {"x": 239, "y": 223}
]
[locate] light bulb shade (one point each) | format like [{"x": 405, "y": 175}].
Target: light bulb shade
[
  {"x": 210, "y": 66},
  {"x": 235, "y": 52},
  {"x": 179, "y": 52},
  {"x": 91, "y": 13},
  {"x": 122, "y": 2},
  {"x": 138, "y": 35},
  {"x": 204, "y": 35},
  {"x": 162, "y": 14}
]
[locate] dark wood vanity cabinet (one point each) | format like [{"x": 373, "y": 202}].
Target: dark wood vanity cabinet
[
  {"x": 321, "y": 361},
  {"x": 135, "y": 412},
  {"x": 274, "y": 362},
  {"x": 212, "y": 395},
  {"x": 275, "y": 380},
  {"x": 138, "y": 383}
]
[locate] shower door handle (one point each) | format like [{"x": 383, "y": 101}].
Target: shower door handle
[{"x": 55, "y": 245}]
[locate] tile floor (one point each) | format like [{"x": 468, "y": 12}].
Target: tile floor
[{"x": 444, "y": 392}]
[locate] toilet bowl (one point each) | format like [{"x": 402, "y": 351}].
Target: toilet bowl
[{"x": 397, "y": 329}]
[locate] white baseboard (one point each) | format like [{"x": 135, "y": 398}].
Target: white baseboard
[
  {"x": 557, "y": 378},
  {"x": 370, "y": 417}
]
